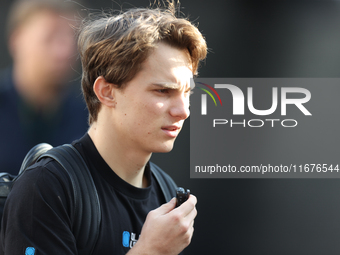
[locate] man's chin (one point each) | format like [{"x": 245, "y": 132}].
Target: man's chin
[{"x": 167, "y": 147}]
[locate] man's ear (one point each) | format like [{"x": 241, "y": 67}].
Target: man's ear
[{"x": 105, "y": 91}]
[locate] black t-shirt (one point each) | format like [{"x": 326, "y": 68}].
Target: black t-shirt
[{"x": 39, "y": 209}]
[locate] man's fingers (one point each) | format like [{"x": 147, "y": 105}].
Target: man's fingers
[
  {"x": 192, "y": 215},
  {"x": 165, "y": 208},
  {"x": 188, "y": 206}
]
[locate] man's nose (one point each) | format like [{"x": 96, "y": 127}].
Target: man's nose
[{"x": 180, "y": 107}]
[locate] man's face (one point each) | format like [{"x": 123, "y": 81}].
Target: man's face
[{"x": 151, "y": 109}]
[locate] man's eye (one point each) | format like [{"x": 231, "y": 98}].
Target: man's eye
[{"x": 163, "y": 91}]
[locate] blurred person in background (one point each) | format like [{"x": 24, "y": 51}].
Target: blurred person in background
[{"x": 38, "y": 100}]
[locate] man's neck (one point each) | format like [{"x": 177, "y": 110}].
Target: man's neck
[{"x": 128, "y": 163}]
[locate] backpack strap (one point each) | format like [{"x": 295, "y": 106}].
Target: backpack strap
[
  {"x": 33, "y": 155},
  {"x": 87, "y": 213},
  {"x": 168, "y": 186}
]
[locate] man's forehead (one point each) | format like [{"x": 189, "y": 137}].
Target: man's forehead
[{"x": 166, "y": 56}]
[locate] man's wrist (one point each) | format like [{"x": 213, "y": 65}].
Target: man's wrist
[{"x": 140, "y": 249}]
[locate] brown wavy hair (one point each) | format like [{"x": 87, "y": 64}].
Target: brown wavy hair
[{"x": 116, "y": 46}]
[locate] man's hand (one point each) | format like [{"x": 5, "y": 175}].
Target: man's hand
[{"x": 167, "y": 230}]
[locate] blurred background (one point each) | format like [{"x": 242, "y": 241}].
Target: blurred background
[{"x": 254, "y": 39}]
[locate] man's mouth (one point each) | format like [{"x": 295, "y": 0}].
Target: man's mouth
[{"x": 172, "y": 130}]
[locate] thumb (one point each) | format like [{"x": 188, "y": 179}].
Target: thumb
[{"x": 165, "y": 208}]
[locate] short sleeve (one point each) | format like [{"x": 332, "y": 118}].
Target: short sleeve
[{"x": 38, "y": 212}]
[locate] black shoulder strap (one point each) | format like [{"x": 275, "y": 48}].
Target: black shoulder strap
[
  {"x": 87, "y": 213},
  {"x": 168, "y": 186}
]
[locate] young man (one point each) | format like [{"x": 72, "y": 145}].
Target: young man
[{"x": 136, "y": 82}]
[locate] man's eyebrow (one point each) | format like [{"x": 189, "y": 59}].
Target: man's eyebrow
[{"x": 167, "y": 85}]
